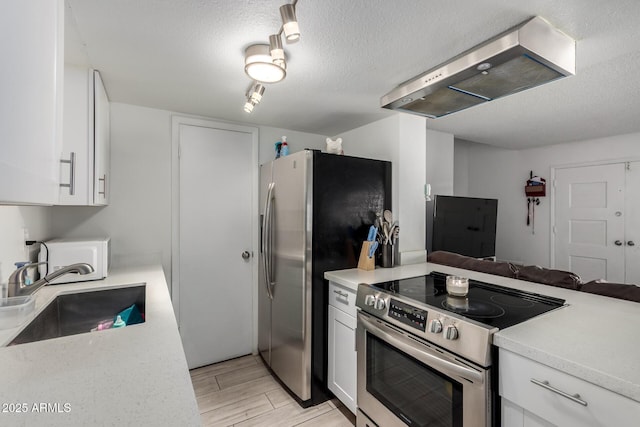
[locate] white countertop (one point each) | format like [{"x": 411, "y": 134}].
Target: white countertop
[
  {"x": 593, "y": 338},
  {"x": 135, "y": 375}
]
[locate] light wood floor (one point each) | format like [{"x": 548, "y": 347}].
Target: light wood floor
[{"x": 242, "y": 393}]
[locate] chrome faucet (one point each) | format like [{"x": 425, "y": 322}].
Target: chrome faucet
[{"x": 17, "y": 286}]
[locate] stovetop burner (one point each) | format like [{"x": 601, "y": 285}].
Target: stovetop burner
[
  {"x": 477, "y": 309},
  {"x": 486, "y": 303},
  {"x": 413, "y": 289}
]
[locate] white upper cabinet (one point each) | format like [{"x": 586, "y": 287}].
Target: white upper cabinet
[
  {"x": 102, "y": 143},
  {"x": 31, "y": 79},
  {"x": 84, "y": 164}
]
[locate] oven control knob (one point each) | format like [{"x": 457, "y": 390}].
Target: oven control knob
[
  {"x": 450, "y": 332},
  {"x": 369, "y": 300},
  {"x": 379, "y": 304},
  {"x": 435, "y": 326}
]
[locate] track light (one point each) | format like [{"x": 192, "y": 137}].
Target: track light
[
  {"x": 248, "y": 106},
  {"x": 290, "y": 23},
  {"x": 259, "y": 65},
  {"x": 276, "y": 50},
  {"x": 256, "y": 94},
  {"x": 267, "y": 63}
]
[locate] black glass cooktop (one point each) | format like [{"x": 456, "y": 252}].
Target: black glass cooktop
[{"x": 486, "y": 303}]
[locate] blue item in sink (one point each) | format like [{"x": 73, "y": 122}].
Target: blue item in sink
[
  {"x": 119, "y": 323},
  {"x": 131, "y": 315}
]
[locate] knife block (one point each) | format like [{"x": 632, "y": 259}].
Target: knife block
[{"x": 366, "y": 263}]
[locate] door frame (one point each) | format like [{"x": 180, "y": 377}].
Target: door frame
[
  {"x": 552, "y": 196},
  {"x": 176, "y": 122}
]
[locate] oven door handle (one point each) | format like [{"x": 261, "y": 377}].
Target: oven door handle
[{"x": 422, "y": 353}]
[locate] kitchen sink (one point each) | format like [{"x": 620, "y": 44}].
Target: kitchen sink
[{"x": 71, "y": 314}]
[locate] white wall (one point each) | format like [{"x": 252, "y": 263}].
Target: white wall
[
  {"x": 461, "y": 167},
  {"x": 138, "y": 218},
  {"x": 500, "y": 173},
  {"x": 412, "y": 173},
  {"x": 440, "y": 172},
  {"x": 399, "y": 139},
  {"x": 15, "y": 221}
]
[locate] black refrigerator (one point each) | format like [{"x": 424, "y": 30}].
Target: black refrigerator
[{"x": 316, "y": 210}]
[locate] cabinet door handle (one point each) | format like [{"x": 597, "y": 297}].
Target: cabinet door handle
[
  {"x": 630, "y": 243},
  {"x": 104, "y": 181},
  {"x": 72, "y": 173},
  {"x": 572, "y": 397},
  {"x": 340, "y": 293}
]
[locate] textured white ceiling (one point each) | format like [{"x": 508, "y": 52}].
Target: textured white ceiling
[{"x": 188, "y": 56}]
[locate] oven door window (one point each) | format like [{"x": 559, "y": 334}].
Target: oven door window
[{"x": 416, "y": 393}]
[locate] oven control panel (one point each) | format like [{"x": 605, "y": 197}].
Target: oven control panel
[{"x": 408, "y": 315}]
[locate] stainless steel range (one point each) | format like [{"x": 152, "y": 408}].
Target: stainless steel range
[{"x": 425, "y": 356}]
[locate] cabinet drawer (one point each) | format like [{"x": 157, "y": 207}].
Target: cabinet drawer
[
  {"x": 547, "y": 393},
  {"x": 342, "y": 298}
]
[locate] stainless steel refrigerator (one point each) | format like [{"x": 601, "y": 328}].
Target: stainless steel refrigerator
[{"x": 316, "y": 212}]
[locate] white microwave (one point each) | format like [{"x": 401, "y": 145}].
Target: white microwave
[{"x": 59, "y": 253}]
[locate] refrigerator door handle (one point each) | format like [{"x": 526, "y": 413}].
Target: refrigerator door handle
[
  {"x": 271, "y": 279},
  {"x": 267, "y": 249},
  {"x": 266, "y": 240}
]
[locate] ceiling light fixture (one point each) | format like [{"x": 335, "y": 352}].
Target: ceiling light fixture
[
  {"x": 254, "y": 96},
  {"x": 267, "y": 63},
  {"x": 276, "y": 50},
  {"x": 257, "y": 92},
  {"x": 259, "y": 66},
  {"x": 248, "y": 106},
  {"x": 290, "y": 23}
]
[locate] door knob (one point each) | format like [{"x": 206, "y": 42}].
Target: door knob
[
  {"x": 246, "y": 255},
  {"x": 630, "y": 243},
  {"x": 617, "y": 243}
]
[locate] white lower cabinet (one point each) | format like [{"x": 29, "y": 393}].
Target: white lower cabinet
[
  {"x": 534, "y": 394},
  {"x": 514, "y": 416},
  {"x": 341, "y": 347}
]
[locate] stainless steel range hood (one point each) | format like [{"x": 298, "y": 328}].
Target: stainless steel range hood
[{"x": 531, "y": 54}]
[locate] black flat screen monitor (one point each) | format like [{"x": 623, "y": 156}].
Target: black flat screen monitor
[{"x": 465, "y": 225}]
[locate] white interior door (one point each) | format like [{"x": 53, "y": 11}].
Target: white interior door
[
  {"x": 632, "y": 224},
  {"x": 215, "y": 229},
  {"x": 590, "y": 220}
]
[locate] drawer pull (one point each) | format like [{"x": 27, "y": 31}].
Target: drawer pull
[
  {"x": 340, "y": 293},
  {"x": 572, "y": 397}
]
